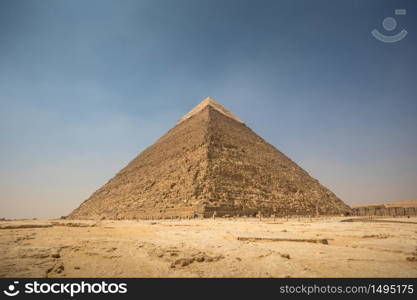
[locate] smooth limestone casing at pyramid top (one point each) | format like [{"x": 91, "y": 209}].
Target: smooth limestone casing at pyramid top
[{"x": 210, "y": 162}]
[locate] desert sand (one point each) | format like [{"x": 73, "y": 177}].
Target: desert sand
[{"x": 239, "y": 247}]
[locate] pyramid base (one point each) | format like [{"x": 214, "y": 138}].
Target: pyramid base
[{"x": 202, "y": 212}]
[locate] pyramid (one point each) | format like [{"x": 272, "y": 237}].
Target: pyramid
[{"x": 210, "y": 163}]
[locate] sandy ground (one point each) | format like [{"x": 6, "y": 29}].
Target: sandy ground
[{"x": 209, "y": 248}]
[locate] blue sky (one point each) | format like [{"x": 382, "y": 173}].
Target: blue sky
[{"x": 86, "y": 85}]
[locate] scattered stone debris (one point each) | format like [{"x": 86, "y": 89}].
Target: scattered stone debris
[
  {"x": 47, "y": 225},
  {"x": 377, "y": 236},
  {"x": 183, "y": 262},
  {"x": 414, "y": 257},
  {"x": 60, "y": 268},
  {"x": 26, "y": 237},
  {"x": 376, "y": 221},
  {"x": 38, "y": 252},
  {"x": 24, "y": 226},
  {"x": 199, "y": 257},
  {"x": 259, "y": 239},
  {"x": 74, "y": 224},
  {"x": 360, "y": 259}
]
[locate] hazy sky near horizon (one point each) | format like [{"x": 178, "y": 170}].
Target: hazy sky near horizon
[{"x": 86, "y": 85}]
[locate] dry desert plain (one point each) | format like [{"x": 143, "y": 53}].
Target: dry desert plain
[{"x": 318, "y": 247}]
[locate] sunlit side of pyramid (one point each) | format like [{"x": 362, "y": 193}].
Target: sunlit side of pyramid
[{"x": 209, "y": 162}]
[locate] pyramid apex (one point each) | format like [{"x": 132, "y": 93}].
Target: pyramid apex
[{"x": 209, "y": 101}]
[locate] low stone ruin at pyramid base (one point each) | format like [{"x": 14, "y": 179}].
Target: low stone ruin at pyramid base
[
  {"x": 393, "y": 209},
  {"x": 209, "y": 164}
]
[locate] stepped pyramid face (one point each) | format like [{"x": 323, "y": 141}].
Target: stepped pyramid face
[{"x": 210, "y": 162}]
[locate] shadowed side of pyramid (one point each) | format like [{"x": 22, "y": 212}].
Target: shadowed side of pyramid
[
  {"x": 247, "y": 175},
  {"x": 209, "y": 162}
]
